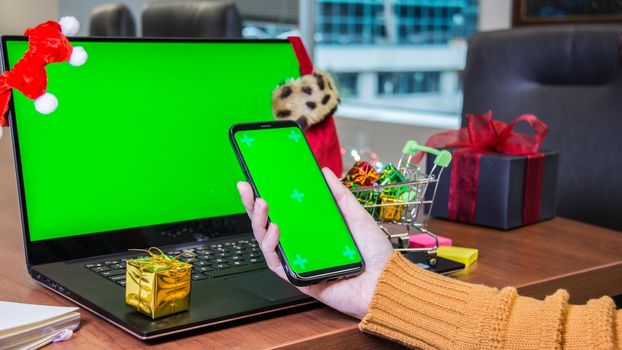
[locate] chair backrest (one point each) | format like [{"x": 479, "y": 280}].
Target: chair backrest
[
  {"x": 205, "y": 19},
  {"x": 112, "y": 20},
  {"x": 571, "y": 78}
]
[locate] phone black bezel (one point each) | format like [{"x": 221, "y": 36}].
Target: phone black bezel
[{"x": 306, "y": 278}]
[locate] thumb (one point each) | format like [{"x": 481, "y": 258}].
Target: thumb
[{"x": 352, "y": 211}]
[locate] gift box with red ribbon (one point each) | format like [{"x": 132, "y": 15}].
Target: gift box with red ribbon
[{"x": 498, "y": 177}]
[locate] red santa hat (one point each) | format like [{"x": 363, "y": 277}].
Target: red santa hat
[
  {"x": 311, "y": 100},
  {"x": 47, "y": 43}
]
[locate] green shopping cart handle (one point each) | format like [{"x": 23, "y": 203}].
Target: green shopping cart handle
[{"x": 443, "y": 158}]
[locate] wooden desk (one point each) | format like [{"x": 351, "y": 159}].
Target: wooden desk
[{"x": 538, "y": 259}]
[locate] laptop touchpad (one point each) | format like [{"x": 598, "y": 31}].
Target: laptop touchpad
[{"x": 265, "y": 284}]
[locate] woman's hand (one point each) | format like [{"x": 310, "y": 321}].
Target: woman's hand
[{"x": 351, "y": 295}]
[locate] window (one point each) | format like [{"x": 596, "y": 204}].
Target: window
[
  {"x": 349, "y": 22},
  {"x": 426, "y": 22},
  {"x": 405, "y": 54},
  {"x": 402, "y": 83},
  {"x": 347, "y": 83}
]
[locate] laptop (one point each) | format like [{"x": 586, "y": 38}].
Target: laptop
[{"x": 137, "y": 155}]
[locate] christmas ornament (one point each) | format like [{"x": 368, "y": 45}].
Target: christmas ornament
[
  {"x": 362, "y": 173},
  {"x": 47, "y": 43}
]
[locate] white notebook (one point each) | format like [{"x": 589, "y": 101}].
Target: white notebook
[{"x": 25, "y": 326}]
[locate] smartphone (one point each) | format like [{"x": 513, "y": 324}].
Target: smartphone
[{"x": 315, "y": 244}]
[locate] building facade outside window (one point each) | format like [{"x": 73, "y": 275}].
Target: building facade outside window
[
  {"x": 401, "y": 55},
  {"x": 349, "y": 22},
  {"x": 404, "y": 83},
  {"x": 348, "y": 84}
]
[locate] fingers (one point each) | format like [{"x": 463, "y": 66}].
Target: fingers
[
  {"x": 259, "y": 219},
  {"x": 247, "y": 196},
  {"x": 268, "y": 238},
  {"x": 257, "y": 210},
  {"x": 268, "y": 248},
  {"x": 336, "y": 187}
]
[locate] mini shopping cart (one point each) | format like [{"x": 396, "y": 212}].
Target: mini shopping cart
[{"x": 408, "y": 208}]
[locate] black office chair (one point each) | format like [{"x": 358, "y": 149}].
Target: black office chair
[
  {"x": 571, "y": 78},
  {"x": 112, "y": 20},
  {"x": 206, "y": 19}
]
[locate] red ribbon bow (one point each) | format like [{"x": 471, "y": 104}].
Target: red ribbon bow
[{"x": 483, "y": 134}]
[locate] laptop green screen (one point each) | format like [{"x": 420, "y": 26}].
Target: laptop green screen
[{"x": 140, "y": 136}]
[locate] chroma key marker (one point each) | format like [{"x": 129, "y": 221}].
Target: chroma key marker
[
  {"x": 301, "y": 262},
  {"x": 294, "y": 136},
  {"x": 349, "y": 253},
  {"x": 297, "y": 195},
  {"x": 247, "y": 140}
]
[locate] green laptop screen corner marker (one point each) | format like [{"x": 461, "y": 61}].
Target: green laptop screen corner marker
[
  {"x": 315, "y": 240},
  {"x": 140, "y": 136}
]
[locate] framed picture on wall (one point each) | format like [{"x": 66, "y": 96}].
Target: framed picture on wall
[{"x": 530, "y": 12}]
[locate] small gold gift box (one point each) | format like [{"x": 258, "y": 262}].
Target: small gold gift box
[
  {"x": 158, "y": 285},
  {"x": 392, "y": 211}
]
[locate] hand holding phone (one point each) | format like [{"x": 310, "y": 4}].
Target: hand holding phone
[
  {"x": 351, "y": 296},
  {"x": 315, "y": 242}
]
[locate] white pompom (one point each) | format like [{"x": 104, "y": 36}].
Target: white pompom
[
  {"x": 69, "y": 25},
  {"x": 46, "y": 103},
  {"x": 78, "y": 56}
]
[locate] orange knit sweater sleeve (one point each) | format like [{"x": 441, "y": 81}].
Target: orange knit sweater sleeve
[{"x": 422, "y": 309}]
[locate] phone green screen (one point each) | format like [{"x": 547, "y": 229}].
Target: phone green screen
[
  {"x": 314, "y": 235},
  {"x": 140, "y": 136}
]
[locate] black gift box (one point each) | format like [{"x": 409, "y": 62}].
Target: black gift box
[{"x": 501, "y": 186}]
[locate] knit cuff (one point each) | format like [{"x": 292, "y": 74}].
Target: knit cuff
[
  {"x": 422, "y": 309},
  {"x": 593, "y": 326},
  {"x": 537, "y": 324},
  {"x": 618, "y": 328}
]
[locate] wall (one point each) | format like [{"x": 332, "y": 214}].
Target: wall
[
  {"x": 495, "y": 14},
  {"x": 17, "y": 15}
]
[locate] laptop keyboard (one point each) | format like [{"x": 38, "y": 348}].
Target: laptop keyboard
[{"x": 210, "y": 261}]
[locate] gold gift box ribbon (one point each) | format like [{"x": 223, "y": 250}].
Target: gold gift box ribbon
[{"x": 158, "y": 285}]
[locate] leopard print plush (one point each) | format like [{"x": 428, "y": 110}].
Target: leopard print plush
[{"x": 308, "y": 99}]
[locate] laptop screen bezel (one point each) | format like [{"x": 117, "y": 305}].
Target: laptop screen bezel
[{"x": 117, "y": 241}]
